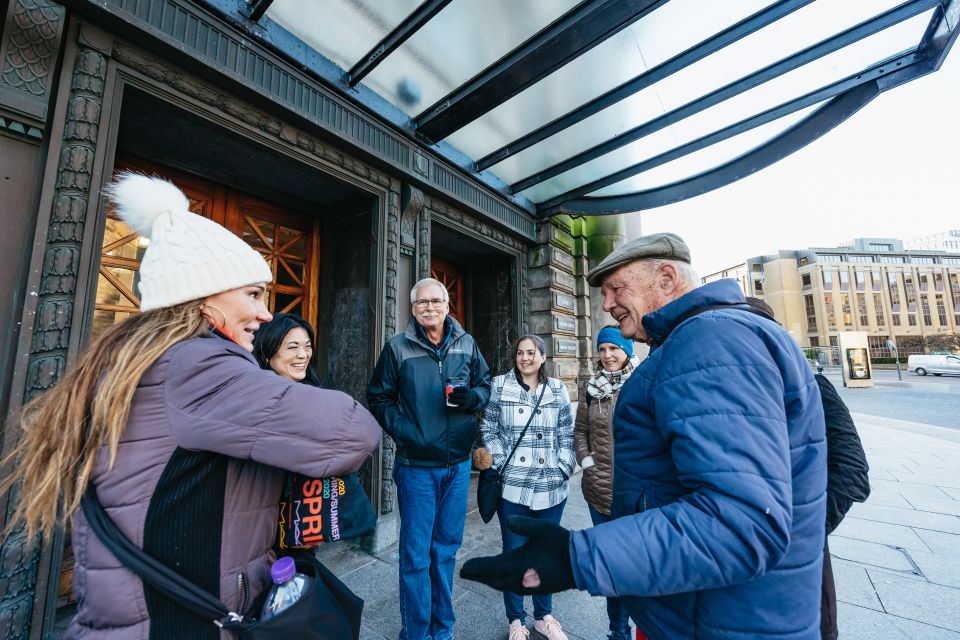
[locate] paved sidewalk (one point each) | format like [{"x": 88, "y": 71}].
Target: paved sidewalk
[{"x": 896, "y": 558}]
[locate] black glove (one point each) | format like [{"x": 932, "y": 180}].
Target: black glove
[
  {"x": 547, "y": 552},
  {"x": 465, "y": 398}
]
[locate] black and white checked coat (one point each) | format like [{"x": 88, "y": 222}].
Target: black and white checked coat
[{"x": 538, "y": 472}]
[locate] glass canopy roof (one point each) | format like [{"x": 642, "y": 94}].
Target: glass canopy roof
[{"x": 615, "y": 105}]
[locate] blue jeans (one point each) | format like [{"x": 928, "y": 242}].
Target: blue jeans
[
  {"x": 513, "y": 602},
  {"x": 616, "y": 612},
  {"x": 433, "y": 506}
]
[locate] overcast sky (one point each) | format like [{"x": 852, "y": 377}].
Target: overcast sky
[{"x": 891, "y": 170}]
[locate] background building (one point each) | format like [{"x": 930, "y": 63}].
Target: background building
[{"x": 874, "y": 285}]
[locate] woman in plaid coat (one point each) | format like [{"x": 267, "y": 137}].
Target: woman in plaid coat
[{"x": 535, "y": 477}]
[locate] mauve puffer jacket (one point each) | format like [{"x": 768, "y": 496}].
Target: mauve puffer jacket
[
  {"x": 196, "y": 484},
  {"x": 593, "y": 434}
]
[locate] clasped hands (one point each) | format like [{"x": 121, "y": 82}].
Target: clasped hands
[{"x": 539, "y": 566}]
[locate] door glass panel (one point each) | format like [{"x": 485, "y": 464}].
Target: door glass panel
[
  {"x": 291, "y": 242},
  {"x": 290, "y": 273},
  {"x": 258, "y": 234}
]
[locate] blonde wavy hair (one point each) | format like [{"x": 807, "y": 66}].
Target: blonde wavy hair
[{"x": 63, "y": 430}]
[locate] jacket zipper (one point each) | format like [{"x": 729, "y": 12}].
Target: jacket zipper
[{"x": 243, "y": 592}]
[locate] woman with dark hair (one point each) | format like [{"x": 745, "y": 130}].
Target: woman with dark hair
[
  {"x": 528, "y": 406},
  {"x": 285, "y": 345}
]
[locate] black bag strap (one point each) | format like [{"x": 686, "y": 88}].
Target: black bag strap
[
  {"x": 529, "y": 420},
  {"x": 158, "y": 575}
]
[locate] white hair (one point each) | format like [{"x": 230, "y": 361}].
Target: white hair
[
  {"x": 425, "y": 282},
  {"x": 688, "y": 276}
]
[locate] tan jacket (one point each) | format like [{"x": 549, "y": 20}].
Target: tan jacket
[{"x": 593, "y": 435}]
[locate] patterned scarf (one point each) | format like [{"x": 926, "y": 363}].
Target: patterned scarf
[{"x": 605, "y": 383}]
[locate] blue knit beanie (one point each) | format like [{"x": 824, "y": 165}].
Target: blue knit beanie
[{"x": 613, "y": 336}]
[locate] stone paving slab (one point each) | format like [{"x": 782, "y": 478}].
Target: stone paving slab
[
  {"x": 927, "y": 603},
  {"x": 858, "y": 623},
  {"x": 909, "y": 517},
  {"x": 892, "y": 535}
]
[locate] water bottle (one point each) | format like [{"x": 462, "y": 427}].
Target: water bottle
[{"x": 288, "y": 586}]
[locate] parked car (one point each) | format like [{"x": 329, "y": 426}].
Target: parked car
[{"x": 935, "y": 364}]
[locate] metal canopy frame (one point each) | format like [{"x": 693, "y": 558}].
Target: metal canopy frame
[
  {"x": 927, "y": 58},
  {"x": 411, "y": 24},
  {"x": 574, "y": 33},
  {"x": 592, "y": 22},
  {"x": 797, "y": 60}
]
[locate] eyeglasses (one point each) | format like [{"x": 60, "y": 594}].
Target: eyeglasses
[{"x": 423, "y": 304}]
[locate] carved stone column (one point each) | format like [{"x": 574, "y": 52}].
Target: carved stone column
[{"x": 55, "y": 299}]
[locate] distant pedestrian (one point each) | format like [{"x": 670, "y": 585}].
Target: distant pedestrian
[
  {"x": 535, "y": 479},
  {"x": 593, "y": 441},
  {"x": 434, "y": 431}
]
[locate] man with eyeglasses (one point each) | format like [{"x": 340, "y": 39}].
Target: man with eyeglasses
[{"x": 427, "y": 387}]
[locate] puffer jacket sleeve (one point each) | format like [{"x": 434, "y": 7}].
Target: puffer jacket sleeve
[
  {"x": 848, "y": 478},
  {"x": 219, "y": 400},
  {"x": 383, "y": 396},
  {"x": 479, "y": 378},
  {"x": 566, "y": 456},
  {"x": 581, "y": 426},
  {"x": 719, "y": 399},
  {"x": 491, "y": 429}
]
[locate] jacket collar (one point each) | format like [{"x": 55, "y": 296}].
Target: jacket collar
[
  {"x": 216, "y": 334},
  {"x": 664, "y": 320},
  {"x": 452, "y": 332}
]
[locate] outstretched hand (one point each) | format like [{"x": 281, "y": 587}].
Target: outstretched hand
[
  {"x": 539, "y": 566},
  {"x": 465, "y": 398}
]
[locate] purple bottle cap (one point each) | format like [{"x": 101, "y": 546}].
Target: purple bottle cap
[{"x": 283, "y": 569}]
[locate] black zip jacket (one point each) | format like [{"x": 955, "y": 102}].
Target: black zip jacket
[{"x": 406, "y": 395}]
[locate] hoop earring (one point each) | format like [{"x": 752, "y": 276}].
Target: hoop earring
[{"x": 212, "y": 321}]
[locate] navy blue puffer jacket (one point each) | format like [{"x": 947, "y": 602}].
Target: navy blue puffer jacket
[{"x": 719, "y": 479}]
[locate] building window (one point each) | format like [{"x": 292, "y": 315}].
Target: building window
[
  {"x": 912, "y": 319},
  {"x": 862, "y": 309},
  {"x": 922, "y": 260},
  {"x": 896, "y": 319},
  {"x": 878, "y": 313},
  {"x": 925, "y": 307},
  {"x": 844, "y": 280},
  {"x": 860, "y": 258},
  {"x": 941, "y": 310},
  {"x": 804, "y": 260},
  {"x": 894, "y": 289},
  {"x": 924, "y": 281},
  {"x": 909, "y": 291},
  {"x": 949, "y": 260},
  {"x": 875, "y": 278},
  {"x": 828, "y": 257},
  {"x": 811, "y": 312},
  {"x": 805, "y": 279},
  {"x": 880, "y": 247},
  {"x": 756, "y": 267},
  {"x": 861, "y": 279},
  {"x": 938, "y": 281},
  {"x": 890, "y": 259},
  {"x": 827, "y": 280},
  {"x": 758, "y": 286},
  {"x": 831, "y": 317},
  {"x": 878, "y": 346},
  {"x": 814, "y": 341},
  {"x": 845, "y": 310}
]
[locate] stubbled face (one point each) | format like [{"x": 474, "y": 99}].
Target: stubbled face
[
  {"x": 431, "y": 316},
  {"x": 529, "y": 358},
  {"x": 238, "y": 313},
  {"x": 293, "y": 356},
  {"x": 633, "y": 291},
  {"x": 612, "y": 357}
]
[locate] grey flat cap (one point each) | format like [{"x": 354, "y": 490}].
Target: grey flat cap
[{"x": 661, "y": 246}]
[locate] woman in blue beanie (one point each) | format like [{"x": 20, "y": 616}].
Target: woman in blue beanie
[{"x": 593, "y": 441}]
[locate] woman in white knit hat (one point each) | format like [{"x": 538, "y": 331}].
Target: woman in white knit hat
[{"x": 170, "y": 418}]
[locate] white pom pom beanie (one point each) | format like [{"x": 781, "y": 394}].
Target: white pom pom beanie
[{"x": 189, "y": 257}]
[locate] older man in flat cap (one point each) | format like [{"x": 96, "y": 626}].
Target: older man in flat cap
[{"x": 719, "y": 468}]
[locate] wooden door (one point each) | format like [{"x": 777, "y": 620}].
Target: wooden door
[
  {"x": 451, "y": 275},
  {"x": 287, "y": 239}
]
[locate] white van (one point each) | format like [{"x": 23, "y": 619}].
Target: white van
[{"x": 935, "y": 364}]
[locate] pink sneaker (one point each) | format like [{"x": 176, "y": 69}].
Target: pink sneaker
[
  {"x": 518, "y": 631},
  {"x": 549, "y": 628}
]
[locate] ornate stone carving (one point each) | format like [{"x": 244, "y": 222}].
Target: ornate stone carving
[
  {"x": 223, "y": 102},
  {"x": 467, "y": 221},
  {"x": 32, "y": 46},
  {"x": 51, "y": 330},
  {"x": 411, "y": 203},
  {"x": 388, "y": 448},
  {"x": 423, "y": 250}
]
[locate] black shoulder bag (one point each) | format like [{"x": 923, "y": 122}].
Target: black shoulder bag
[
  {"x": 490, "y": 483},
  {"x": 327, "y": 610}
]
